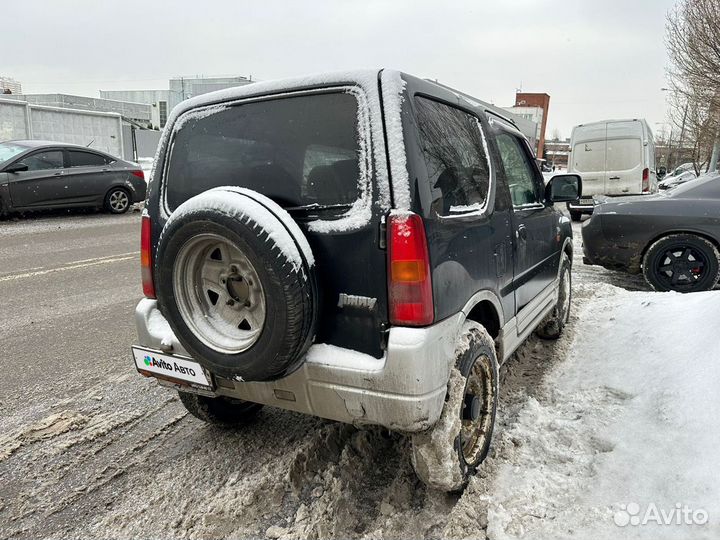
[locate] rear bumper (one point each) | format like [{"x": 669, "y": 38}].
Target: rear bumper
[
  {"x": 608, "y": 253},
  {"x": 585, "y": 206},
  {"x": 405, "y": 390}
]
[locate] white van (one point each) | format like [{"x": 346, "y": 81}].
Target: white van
[{"x": 613, "y": 157}]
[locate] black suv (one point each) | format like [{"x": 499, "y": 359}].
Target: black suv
[{"x": 365, "y": 247}]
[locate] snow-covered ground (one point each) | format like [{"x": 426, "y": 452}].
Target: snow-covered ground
[
  {"x": 623, "y": 409},
  {"x": 622, "y": 441}
]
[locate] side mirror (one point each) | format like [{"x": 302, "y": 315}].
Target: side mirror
[
  {"x": 563, "y": 188},
  {"x": 16, "y": 168}
]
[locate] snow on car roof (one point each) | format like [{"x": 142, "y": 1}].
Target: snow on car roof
[{"x": 371, "y": 111}]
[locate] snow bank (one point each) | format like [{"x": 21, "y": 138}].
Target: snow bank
[{"x": 632, "y": 424}]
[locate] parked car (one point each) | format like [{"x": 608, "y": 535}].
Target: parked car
[
  {"x": 614, "y": 158},
  {"x": 672, "y": 237},
  {"x": 675, "y": 180},
  {"x": 365, "y": 247},
  {"x": 683, "y": 167},
  {"x": 38, "y": 175}
]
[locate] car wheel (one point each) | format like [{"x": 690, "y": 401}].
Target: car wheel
[
  {"x": 575, "y": 216},
  {"x": 236, "y": 288},
  {"x": 117, "y": 201},
  {"x": 219, "y": 411},
  {"x": 445, "y": 456},
  {"x": 552, "y": 326},
  {"x": 682, "y": 263}
]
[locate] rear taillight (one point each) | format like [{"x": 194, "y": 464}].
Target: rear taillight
[
  {"x": 410, "y": 297},
  {"x": 139, "y": 174},
  {"x": 646, "y": 180},
  {"x": 146, "y": 257}
]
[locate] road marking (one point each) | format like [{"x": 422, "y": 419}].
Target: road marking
[{"x": 84, "y": 263}]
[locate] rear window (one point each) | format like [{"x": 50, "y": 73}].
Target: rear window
[
  {"x": 589, "y": 156},
  {"x": 623, "y": 154},
  {"x": 297, "y": 150}
]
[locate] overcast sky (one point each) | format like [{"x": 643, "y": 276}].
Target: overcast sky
[{"x": 596, "y": 59}]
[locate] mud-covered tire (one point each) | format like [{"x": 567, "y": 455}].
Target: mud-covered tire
[
  {"x": 448, "y": 454},
  {"x": 700, "y": 250},
  {"x": 220, "y": 411},
  {"x": 117, "y": 201},
  {"x": 266, "y": 251},
  {"x": 552, "y": 326}
]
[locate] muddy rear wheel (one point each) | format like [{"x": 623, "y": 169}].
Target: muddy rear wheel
[{"x": 447, "y": 455}]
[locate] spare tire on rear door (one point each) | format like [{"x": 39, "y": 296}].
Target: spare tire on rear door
[{"x": 235, "y": 280}]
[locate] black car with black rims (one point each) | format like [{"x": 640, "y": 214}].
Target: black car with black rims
[
  {"x": 672, "y": 237},
  {"x": 366, "y": 247},
  {"x": 38, "y": 175}
]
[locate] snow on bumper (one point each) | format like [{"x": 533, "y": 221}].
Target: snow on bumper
[{"x": 404, "y": 390}]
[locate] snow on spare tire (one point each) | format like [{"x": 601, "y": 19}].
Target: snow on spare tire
[{"x": 236, "y": 282}]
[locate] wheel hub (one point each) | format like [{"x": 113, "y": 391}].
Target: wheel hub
[
  {"x": 473, "y": 407},
  {"x": 681, "y": 266},
  {"x": 238, "y": 289},
  {"x": 219, "y": 294}
]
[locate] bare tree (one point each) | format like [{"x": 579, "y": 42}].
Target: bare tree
[
  {"x": 693, "y": 43},
  {"x": 693, "y": 131},
  {"x": 556, "y": 135}
]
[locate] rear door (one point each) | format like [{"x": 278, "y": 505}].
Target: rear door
[
  {"x": 309, "y": 152},
  {"x": 624, "y": 162},
  {"x": 536, "y": 254},
  {"x": 87, "y": 176},
  {"x": 42, "y": 184},
  {"x": 588, "y": 157}
]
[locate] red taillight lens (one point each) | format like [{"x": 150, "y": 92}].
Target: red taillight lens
[
  {"x": 410, "y": 297},
  {"x": 139, "y": 174},
  {"x": 646, "y": 180},
  {"x": 146, "y": 257}
]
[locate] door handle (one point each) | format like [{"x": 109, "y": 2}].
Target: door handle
[
  {"x": 614, "y": 178},
  {"x": 521, "y": 232},
  {"x": 58, "y": 173}
]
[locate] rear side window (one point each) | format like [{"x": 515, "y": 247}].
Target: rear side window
[
  {"x": 86, "y": 159},
  {"x": 296, "y": 150},
  {"x": 454, "y": 151}
]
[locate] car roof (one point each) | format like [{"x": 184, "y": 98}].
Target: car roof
[{"x": 32, "y": 143}]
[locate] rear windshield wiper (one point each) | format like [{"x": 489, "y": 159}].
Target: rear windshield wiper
[{"x": 315, "y": 207}]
